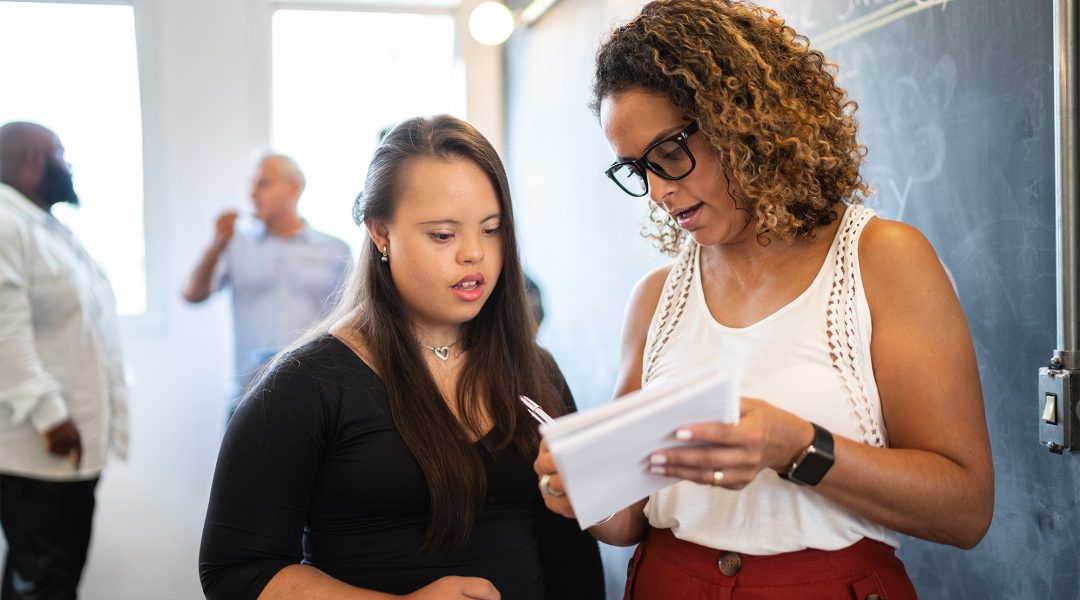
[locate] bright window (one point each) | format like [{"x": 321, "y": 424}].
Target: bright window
[
  {"x": 73, "y": 69},
  {"x": 339, "y": 77}
]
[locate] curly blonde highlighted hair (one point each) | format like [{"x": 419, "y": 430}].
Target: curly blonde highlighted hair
[{"x": 765, "y": 101}]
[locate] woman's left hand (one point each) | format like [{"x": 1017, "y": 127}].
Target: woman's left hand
[
  {"x": 765, "y": 437},
  {"x": 550, "y": 484}
]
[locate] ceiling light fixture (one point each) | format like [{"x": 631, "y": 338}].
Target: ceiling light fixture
[{"x": 491, "y": 23}]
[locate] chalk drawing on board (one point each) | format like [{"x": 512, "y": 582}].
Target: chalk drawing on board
[
  {"x": 909, "y": 140},
  {"x": 901, "y": 197},
  {"x": 1033, "y": 121},
  {"x": 804, "y": 18},
  {"x": 873, "y": 20}
]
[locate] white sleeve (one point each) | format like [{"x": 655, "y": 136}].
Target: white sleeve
[{"x": 25, "y": 387}]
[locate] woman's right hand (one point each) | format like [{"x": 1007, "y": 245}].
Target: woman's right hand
[
  {"x": 545, "y": 467},
  {"x": 456, "y": 588}
]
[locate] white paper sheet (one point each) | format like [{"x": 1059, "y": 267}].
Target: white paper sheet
[{"x": 602, "y": 454}]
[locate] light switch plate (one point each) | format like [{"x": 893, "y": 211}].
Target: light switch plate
[{"x": 1060, "y": 387}]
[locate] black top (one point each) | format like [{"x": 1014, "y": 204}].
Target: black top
[{"x": 312, "y": 470}]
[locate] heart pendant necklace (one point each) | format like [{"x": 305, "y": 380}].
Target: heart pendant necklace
[{"x": 443, "y": 352}]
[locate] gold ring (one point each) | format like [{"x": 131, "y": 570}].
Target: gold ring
[
  {"x": 546, "y": 488},
  {"x": 717, "y": 477}
]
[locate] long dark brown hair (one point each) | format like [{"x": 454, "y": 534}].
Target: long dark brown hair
[{"x": 502, "y": 358}]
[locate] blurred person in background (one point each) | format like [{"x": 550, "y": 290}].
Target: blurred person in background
[
  {"x": 282, "y": 271},
  {"x": 62, "y": 389},
  {"x": 536, "y": 300}
]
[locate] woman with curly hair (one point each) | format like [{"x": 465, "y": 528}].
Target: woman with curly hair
[{"x": 862, "y": 414}]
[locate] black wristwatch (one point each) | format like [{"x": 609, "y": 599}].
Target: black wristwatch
[{"x": 815, "y": 461}]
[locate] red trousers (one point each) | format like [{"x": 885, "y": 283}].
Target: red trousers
[{"x": 666, "y": 568}]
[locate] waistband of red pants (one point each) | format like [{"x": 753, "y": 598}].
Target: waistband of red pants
[{"x": 788, "y": 568}]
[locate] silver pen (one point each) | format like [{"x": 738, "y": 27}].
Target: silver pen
[{"x": 535, "y": 410}]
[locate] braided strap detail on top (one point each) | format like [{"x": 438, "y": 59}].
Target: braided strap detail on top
[
  {"x": 671, "y": 307},
  {"x": 841, "y": 321}
]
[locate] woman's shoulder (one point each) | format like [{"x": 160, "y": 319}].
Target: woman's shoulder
[
  {"x": 646, "y": 293},
  {"x": 898, "y": 263},
  {"x": 322, "y": 360},
  {"x": 324, "y": 347},
  {"x": 310, "y": 357},
  {"x": 313, "y": 383},
  {"x": 642, "y": 306},
  {"x": 884, "y": 243}
]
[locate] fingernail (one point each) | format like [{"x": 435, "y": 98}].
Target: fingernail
[
  {"x": 657, "y": 470},
  {"x": 658, "y": 459},
  {"x": 683, "y": 434}
]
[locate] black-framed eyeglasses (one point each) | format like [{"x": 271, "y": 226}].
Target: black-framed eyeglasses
[{"x": 669, "y": 158}]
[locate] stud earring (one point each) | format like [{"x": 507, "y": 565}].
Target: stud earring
[{"x": 385, "y": 256}]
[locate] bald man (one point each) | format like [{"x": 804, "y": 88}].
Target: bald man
[
  {"x": 62, "y": 391},
  {"x": 282, "y": 272}
]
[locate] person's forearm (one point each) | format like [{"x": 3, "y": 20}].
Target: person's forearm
[
  {"x": 914, "y": 492},
  {"x": 198, "y": 287},
  {"x": 303, "y": 582},
  {"x": 626, "y": 528},
  {"x": 27, "y": 390}
]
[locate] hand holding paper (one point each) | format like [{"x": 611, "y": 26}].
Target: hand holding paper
[{"x": 602, "y": 454}]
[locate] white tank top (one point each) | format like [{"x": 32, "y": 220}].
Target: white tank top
[{"x": 812, "y": 358}]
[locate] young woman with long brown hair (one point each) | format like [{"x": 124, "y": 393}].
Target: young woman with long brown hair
[{"x": 387, "y": 453}]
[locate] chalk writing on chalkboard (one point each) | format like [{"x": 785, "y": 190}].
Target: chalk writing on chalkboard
[{"x": 849, "y": 28}]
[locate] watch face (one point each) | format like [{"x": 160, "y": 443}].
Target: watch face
[
  {"x": 812, "y": 467},
  {"x": 815, "y": 461}
]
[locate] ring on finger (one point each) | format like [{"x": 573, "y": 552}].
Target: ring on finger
[
  {"x": 717, "y": 476},
  {"x": 545, "y": 487}
]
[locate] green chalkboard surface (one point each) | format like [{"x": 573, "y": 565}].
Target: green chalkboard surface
[{"x": 956, "y": 106}]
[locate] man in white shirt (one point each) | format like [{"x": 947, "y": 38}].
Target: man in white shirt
[
  {"x": 282, "y": 272},
  {"x": 62, "y": 390}
]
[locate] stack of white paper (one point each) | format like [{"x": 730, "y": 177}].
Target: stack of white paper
[{"x": 602, "y": 454}]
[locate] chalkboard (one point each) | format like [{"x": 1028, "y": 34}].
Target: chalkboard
[{"x": 956, "y": 106}]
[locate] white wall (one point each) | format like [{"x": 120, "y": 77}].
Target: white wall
[
  {"x": 484, "y": 82},
  {"x": 579, "y": 232},
  {"x": 204, "y": 66},
  {"x": 204, "y": 76}
]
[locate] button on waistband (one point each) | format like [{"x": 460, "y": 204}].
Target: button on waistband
[{"x": 729, "y": 563}]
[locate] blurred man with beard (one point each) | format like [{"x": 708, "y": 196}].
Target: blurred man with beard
[{"x": 62, "y": 391}]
